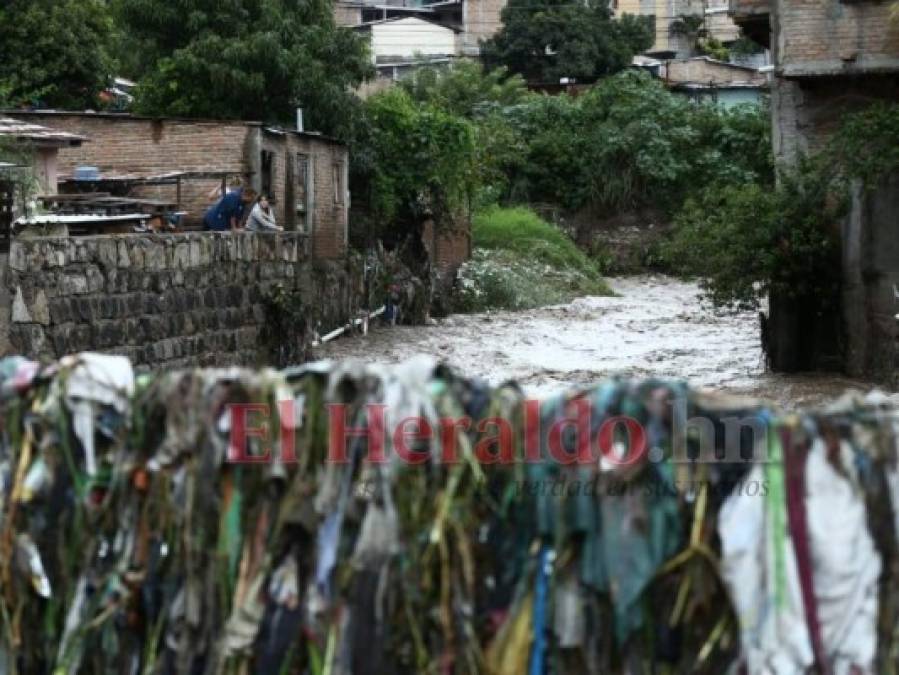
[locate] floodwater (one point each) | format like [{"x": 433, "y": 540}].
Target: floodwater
[{"x": 655, "y": 326}]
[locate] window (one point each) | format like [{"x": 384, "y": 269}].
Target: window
[
  {"x": 339, "y": 183},
  {"x": 267, "y": 177},
  {"x": 303, "y": 191}
]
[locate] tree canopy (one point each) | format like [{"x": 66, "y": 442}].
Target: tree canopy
[
  {"x": 413, "y": 161},
  {"x": 246, "y": 59},
  {"x": 54, "y": 52},
  {"x": 545, "y": 40},
  {"x": 465, "y": 88}
]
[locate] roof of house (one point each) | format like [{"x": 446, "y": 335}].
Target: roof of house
[
  {"x": 125, "y": 116},
  {"x": 409, "y": 19},
  {"x": 25, "y": 131}
]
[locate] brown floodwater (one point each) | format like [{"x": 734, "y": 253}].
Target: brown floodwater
[{"x": 654, "y": 326}]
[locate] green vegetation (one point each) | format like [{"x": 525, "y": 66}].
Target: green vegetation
[
  {"x": 747, "y": 241},
  {"x": 245, "y": 59},
  {"x": 53, "y": 52},
  {"x": 521, "y": 261},
  {"x": 466, "y": 89},
  {"x": 412, "y": 161},
  {"x": 521, "y": 231},
  {"x": 553, "y": 39},
  {"x": 626, "y": 143}
]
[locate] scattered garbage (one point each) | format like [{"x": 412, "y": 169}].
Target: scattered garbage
[{"x": 207, "y": 521}]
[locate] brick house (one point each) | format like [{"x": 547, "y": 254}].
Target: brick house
[
  {"x": 305, "y": 174},
  {"x": 832, "y": 57}
]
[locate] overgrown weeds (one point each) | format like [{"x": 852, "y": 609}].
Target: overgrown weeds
[{"x": 520, "y": 262}]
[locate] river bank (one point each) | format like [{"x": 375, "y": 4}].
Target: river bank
[{"x": 654, "y": 326}]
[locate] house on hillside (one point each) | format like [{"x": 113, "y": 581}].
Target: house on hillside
[
  {"x": 184, "y": 161},
  {"x": 707, "y": 80},
  {"x": 472, "y": 20},
  {"x": 832, "y": 57},
  {"x": 679, "y": 23},
  {"x": 400, "y": 44}
]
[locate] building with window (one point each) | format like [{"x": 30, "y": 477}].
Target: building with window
[
  {"x": 304, "y": 174},
  {"x": 680, "y": 23},
  {"x": 832, "y": 57}
]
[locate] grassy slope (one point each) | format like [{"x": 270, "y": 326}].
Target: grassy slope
[{"x": 521, "y": 261}]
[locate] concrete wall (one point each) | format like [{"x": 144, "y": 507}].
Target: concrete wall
[
  {"x": 481, "y": 19},
  {"x": 833, "y": 57},
  {"x": 163, "y": 301},
  {"x": 347, "y": 13},
  {"x": 871, "y": 271},
  {"x": 665, "y": 12}
]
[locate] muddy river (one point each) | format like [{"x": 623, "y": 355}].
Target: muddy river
[{"x": 654, "y": 326}]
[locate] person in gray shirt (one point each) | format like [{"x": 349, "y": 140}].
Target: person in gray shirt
[{"x": 262, "y": 217}]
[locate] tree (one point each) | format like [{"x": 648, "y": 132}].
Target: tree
[
  {"x": 465, "y": 88},
  {"x": 245, "y": 59},
  {"x": 629, "y": 143},
  {"x": 54, "y": 52},
  {"x": 412, "y": 162},
  {"x": 545, "y": 40}
]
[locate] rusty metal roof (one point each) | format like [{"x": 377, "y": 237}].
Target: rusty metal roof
[{"x": 26, "y": 131}]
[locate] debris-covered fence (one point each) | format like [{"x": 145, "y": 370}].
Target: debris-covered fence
[{"x": 237, "y": 521}]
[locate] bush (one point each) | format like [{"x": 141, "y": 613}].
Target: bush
[
  {"x": 749, "y": 240},
  {"x": 630, "y": 143},
  {"x": 519, "y": 230}
]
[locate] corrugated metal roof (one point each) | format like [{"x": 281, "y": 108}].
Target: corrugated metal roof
[{"x": 21, "y": 130}]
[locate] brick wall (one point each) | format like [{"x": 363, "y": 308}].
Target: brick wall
[
  {"x": 173, "y": 301},
  {"x": 125, "y": 144},
  {"x": 808, "y": 111},
  {"x": 834, "y": 37},
  {"x": 448, "y": 249}
]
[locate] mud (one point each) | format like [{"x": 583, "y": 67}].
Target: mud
[{"x": 655, "y": 326}]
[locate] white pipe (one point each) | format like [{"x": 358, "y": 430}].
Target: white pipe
[{"x": 337, "y": 332}]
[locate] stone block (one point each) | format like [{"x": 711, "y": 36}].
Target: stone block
[
  {"x": 181, "y": 255},
  {"x": 155, "y": 256},
  {"x": 40, "y": 309},
  {"x": 73, "y": 284},
  {"x": 124, "y": 255},
  {"x": 196, "y": 254},
  {"x": 20, "y": 313},
  {"x": 107, "y": 251}
]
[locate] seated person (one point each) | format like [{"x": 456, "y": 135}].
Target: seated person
[
  {"x": 262, "y": 217},
  {"x": 227, "y": 213}
]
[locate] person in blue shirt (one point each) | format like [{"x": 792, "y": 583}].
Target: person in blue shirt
[{"x": 227, "y": 213}]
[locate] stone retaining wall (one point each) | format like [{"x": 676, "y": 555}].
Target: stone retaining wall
[{"x": 174, "y": 301}]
